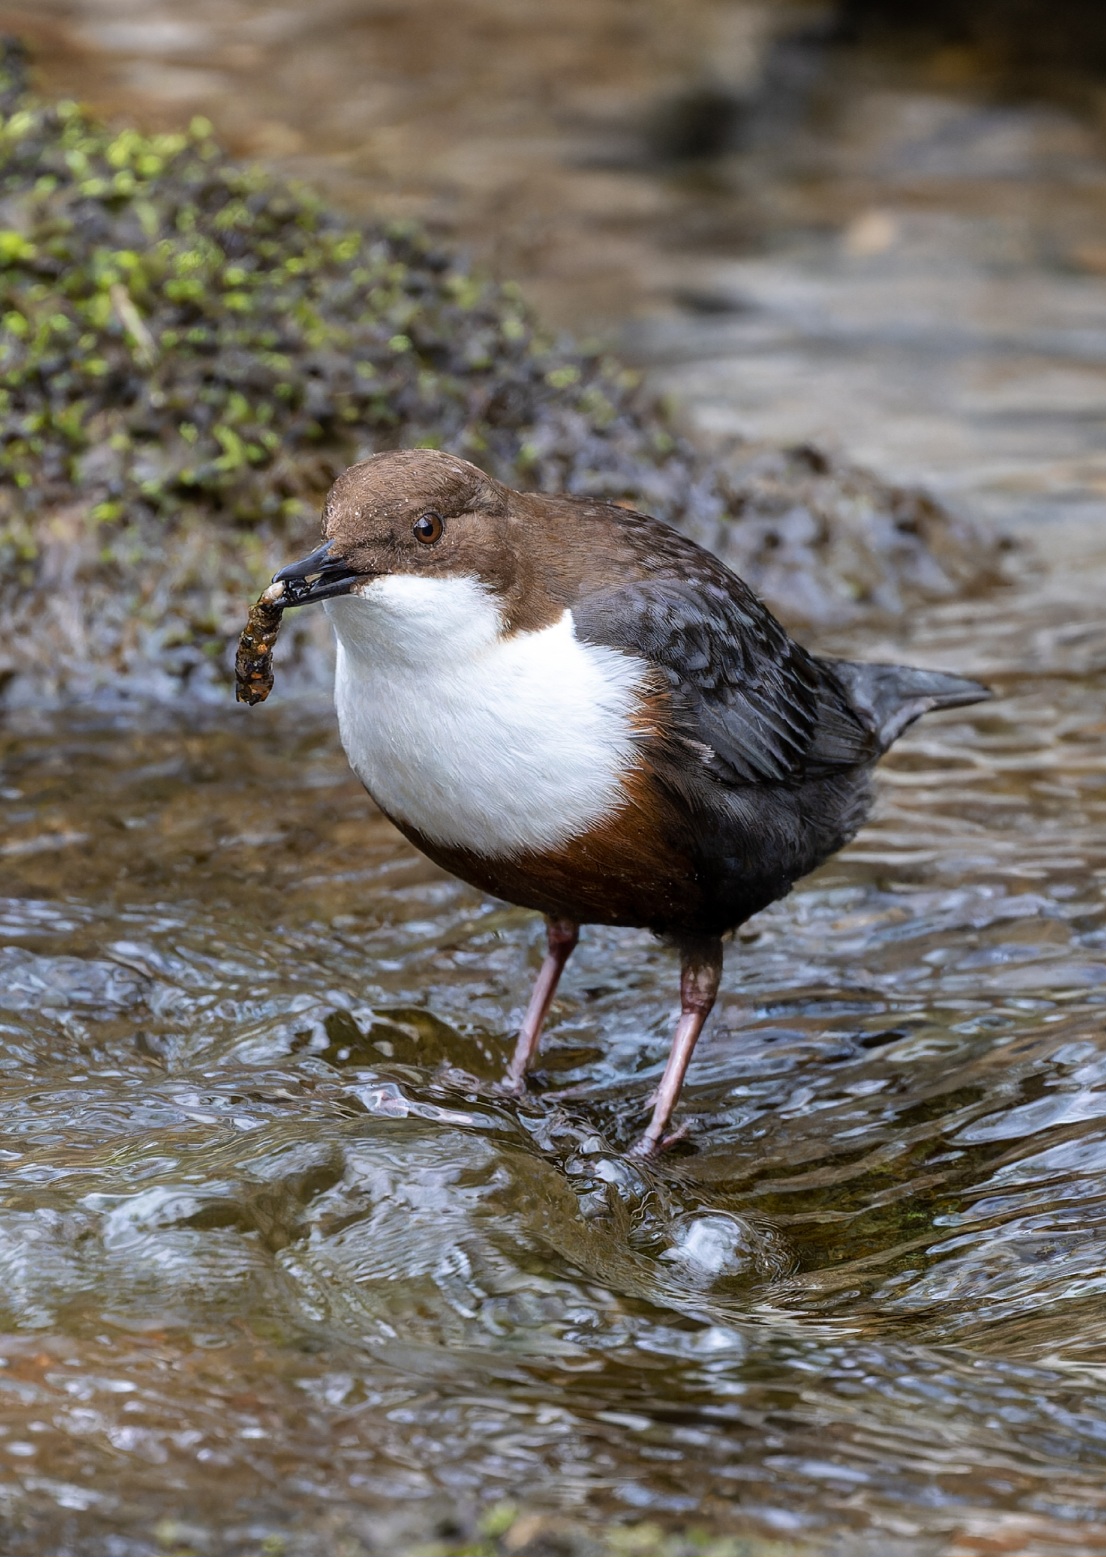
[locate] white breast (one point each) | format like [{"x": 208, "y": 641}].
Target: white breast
[{"x": 496, "y": 744}]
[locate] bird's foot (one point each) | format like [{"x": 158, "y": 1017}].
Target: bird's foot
[{"x": 651, "y": 1146}]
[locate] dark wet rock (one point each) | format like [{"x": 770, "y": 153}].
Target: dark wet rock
[
  {"x": 701, "y": 123},
  {"x": 193, "y": 349},
  {"x": 1019, "y": 42}
]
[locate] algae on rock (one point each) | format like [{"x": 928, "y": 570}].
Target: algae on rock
[{"x": 192, "y": 349}]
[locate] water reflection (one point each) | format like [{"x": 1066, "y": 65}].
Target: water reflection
[{"x": 263, "y": 1210}]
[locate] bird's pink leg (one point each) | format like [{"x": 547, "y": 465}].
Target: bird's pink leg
[
  {"x": 563, "y": 935},
  {"x": 700, "y": 972}
]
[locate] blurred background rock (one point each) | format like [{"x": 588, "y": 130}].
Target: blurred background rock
[
  {"x": 841, "y": 233},
  {"x": 867, "y": 234}
]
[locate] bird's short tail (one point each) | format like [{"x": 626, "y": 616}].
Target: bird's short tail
[{"x": 893, "y": 696}]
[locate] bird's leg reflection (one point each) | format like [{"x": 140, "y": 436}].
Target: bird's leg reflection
[{"x": 562, "y": 935}]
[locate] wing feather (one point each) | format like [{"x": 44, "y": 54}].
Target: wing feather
[{"x": 766, "y": 710}]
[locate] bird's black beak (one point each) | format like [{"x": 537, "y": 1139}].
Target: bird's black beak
[{"x": 318, "y": 577}]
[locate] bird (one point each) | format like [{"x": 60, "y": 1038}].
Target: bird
[{"x": 573, "y": 706}]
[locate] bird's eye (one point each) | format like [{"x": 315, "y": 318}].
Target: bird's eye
[{"x": 429, "y": 529}]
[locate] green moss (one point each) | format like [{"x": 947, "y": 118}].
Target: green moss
[{"x": 506, "y": 1529}]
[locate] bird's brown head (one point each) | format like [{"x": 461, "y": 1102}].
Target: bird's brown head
[{"x": 410, "y": 511}]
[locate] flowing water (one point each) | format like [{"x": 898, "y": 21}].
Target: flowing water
[
  {"x": 276, "y": 1257},
  {"x": 280, "y": 1269}
]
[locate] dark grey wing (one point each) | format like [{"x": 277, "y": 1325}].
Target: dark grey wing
[{"x": 765, "y": 709}]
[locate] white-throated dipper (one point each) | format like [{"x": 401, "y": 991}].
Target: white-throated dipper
[{"x": 574, "y": 707}]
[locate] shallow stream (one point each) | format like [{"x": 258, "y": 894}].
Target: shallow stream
[{"x": 275, "y": 1256}]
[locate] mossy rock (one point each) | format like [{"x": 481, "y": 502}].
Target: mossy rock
[{"x": 192, "y": 349}]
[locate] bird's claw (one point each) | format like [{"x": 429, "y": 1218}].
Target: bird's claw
[{"x": 651, "y": 1146}]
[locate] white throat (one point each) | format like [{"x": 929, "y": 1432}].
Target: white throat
[{"x": 500, "y": 745}]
